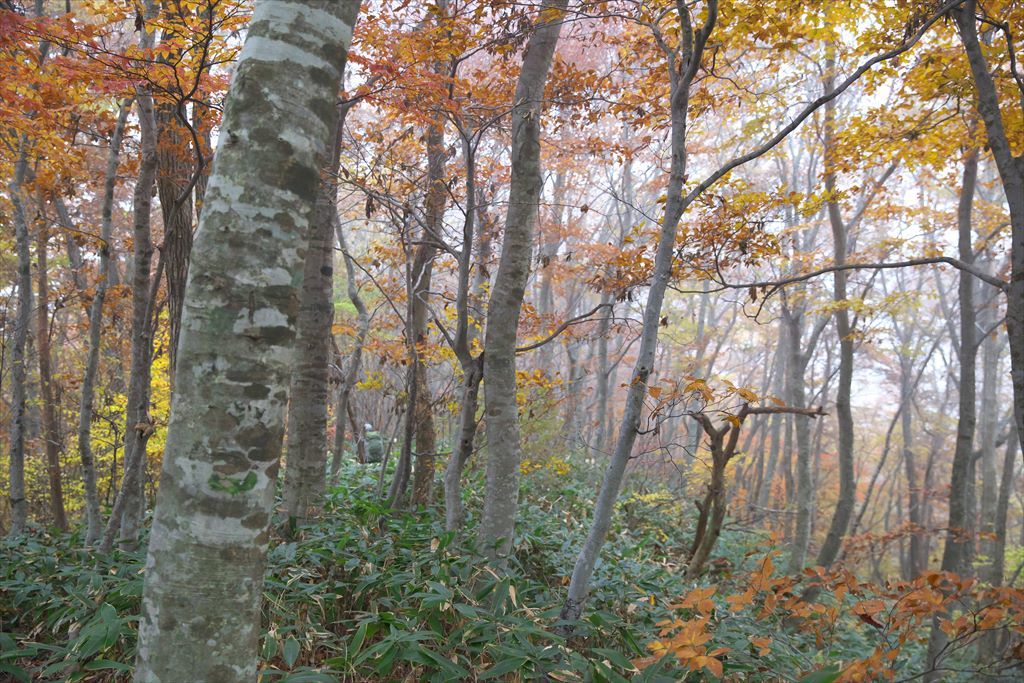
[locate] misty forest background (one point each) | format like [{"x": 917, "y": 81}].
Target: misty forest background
[{"x": 694, "y": 331}]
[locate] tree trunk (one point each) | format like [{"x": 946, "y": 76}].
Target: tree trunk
[
  {"x": 997, "y": 570},
  {"x": 355, "y": 358},
  {"x": 126, "y": 515},
  {"x": 19, "y": 407},
  {"x": 796, "y": 366},
  {"x": 958, "y": 544},
  {"x": 988, "y": 425},
  {"x": 680, "y": 81},
  {"x": 93, "y": 516},
  {"x": 844, "y": 414},
  {"x": 501, "y": 496},
  {"x": 305, "y": 475},
  {"x": 957, "y": 550},
  {"x": 454, "y": 512},
  {"x": 51, "y": 433},
  {"x": 917, "y": 558},
  {"x": 207, "y": 551},
  {"x": 1011, "y": 174},
  {"x": 173, "y": 181}
]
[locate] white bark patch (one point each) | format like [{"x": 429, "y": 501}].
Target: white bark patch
[
  {"x": 259, "y": 48},
  {"x": 289, "y": 14},
  {"x": 263, "y": 317}
]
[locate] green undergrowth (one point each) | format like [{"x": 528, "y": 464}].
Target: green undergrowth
[{"x": 363, "y": 594}]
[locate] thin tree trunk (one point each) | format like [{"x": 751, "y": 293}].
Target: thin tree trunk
[
  {"x": 674, "y": 206},
  {"x": 93, "y": 516},
  {"x": 958, "y": 544},
  {"x": 174, "y": 184},
  {"x": 51, "y": 433},
  {"x": 988, "y": 424},
  {"x": 796, "y": 365},
  {"x": 125, "y": 517},
  {"x": 844, "y": 414},
  {"x": 956, "y": 551},
  {"x": 207, "y": 551},
  {"x": 355, "y": 357},
  {"x": 1011, "y": 174},
  {"x": 501, "y": 495},
  {"x": 19, "y": 407},
  {"x": 917, "y": 560},
  {"x": 472, "y": 366},
  {"x": 996, "y": 575}
]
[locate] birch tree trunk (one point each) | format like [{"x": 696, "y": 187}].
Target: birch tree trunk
[
  {"x": 501, "y": 496},
  {"x": 93, "y": 516},
  {"x": 207, "y": 553}
]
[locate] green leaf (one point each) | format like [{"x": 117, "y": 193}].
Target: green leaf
[
  {"x": 16, "y": 672},
  {"x": 616, "y": 658},
  {"x": 291, "y": 651},
  {"x": 826, "y": 675},
  {"x": 503, "y": 667}
]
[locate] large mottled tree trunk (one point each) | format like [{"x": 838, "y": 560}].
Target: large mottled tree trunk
[
  {"x": 19, "y": 412},
  {"x": 207, "y": 552},
  {"x": 126, "y": 515},
  {"x": 51, "y": 433},
  {"x": 501, "y": 495},
  {"x": 93, "y": 516},
  {"x": 681, "y": 76}
]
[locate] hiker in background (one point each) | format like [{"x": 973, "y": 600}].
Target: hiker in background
[{"x": 374, "y": 444}]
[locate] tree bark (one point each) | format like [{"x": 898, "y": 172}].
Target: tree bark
[
  {"x": 93, "y": 516},
  {"x": 207, "y": 551},
  {"x": 126, "y": 515},
  {"x": 1011, "y": 174},
  {"x": 19, "y": 412},
  {"x": 958, "y": 546},
  {"x": 305, "y": 473},
  {"x": 355, "y": 358},
  {"x": 680, "y": 78},
  {"x": 844, "y": 414},
  {"x": 501, "y": 495},
  {"x": 51, "y": 433}
]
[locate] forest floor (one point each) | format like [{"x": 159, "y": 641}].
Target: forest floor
[{"x": 366, "y": 595}]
